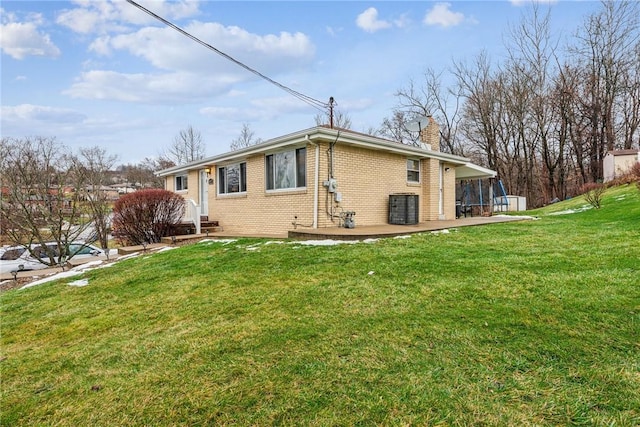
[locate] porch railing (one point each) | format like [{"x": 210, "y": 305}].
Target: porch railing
[{"x": 192, "y": 214}]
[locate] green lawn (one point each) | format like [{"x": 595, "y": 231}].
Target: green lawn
[{"x": 524, "y": 323}]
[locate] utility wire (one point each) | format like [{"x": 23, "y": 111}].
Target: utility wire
[{"x": 322, "y": 106}]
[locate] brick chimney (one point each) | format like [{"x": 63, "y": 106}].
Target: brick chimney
[{"x": 431, "y": 134}]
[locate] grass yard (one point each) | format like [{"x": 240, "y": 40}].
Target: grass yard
[{"x": 524, "y": 323}]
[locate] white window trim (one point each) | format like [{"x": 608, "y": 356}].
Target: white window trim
[
  {"x": 225, "y": 166},
  {"x": 414, "y": 170},
  {"x": 287, "y": 189},
  {"x": 175, "y": 183}
]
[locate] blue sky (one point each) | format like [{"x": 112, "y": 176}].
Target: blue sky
[{"x": 103, "y": 73}]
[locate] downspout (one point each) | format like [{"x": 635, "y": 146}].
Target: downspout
[{"x": 316, "y": 183}]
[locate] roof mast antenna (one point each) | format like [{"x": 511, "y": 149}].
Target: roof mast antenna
[{"x": 331, "y": 102}]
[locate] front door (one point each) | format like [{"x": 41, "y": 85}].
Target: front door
[{"x": 204, "y": 193}]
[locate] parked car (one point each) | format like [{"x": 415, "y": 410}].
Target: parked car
[{"x": 18, "y": 258}]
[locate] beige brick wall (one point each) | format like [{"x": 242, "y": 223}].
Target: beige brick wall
[
  {"x": 192, "y": 185},
  {"x": 259, "y": 211},
  {"x": 365, "y": 180}
]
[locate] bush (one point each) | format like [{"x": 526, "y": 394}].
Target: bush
[
  {"x": 146, "y": 216},
  {"x": 593, "y": 193}
]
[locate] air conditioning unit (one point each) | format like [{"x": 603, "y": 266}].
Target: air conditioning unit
[{"x": 403, "y": 209}]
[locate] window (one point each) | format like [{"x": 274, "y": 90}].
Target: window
[
  {"x": 287, "y": 169},
  {"x": 232, "y": 178},
  {"x": 78, "y": 249},
  {"x": 12, "y": 254},
  {"x": 181, "y": 182},
  {"x": 413, "y": 170}
]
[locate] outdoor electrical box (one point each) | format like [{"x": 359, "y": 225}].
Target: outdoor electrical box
[
  {"x": 332, "y": 185},
  {"x": 337, "y": 196},
  {"x": 403, "y": 209}
]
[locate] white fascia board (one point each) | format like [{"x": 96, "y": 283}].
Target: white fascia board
[
  {"x": 272, "y": 144},
  {"x": 473, "y": 171},
  {"x": 318, "y": 133},
  {"x": 380, "y": 144}
]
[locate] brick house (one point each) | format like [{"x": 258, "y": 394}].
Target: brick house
[{"x": 313, "y": 177}]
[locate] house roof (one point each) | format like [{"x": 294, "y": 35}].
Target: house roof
[
  {"x": 342, "y": 136},
  {"x": 473, "y": 171},
  {"x": 623, "y": 152}
]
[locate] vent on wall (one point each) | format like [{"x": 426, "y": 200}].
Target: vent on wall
[{"x": 403, "y": 209}]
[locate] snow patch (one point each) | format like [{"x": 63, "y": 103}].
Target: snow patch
[
  {"x": 572, "y": 211},
  {"x": 326, "y": 242},
  {"x": 516, "y": 217},
  {"x": 79, "y": 283},
  {"x": 89, "y": 264},
  {"x": 62, "y": 275},
  {"x": 223, "y": 241},
  {"x": 444, "y": 231}
]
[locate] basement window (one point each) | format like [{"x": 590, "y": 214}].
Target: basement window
[
  {"x": 413, "y": 170},
  {"x": 287, "y": 169},
  {"x": 232, "y": 178},
  {"x": 181, "y": 182}
]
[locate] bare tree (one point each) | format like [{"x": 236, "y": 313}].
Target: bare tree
[
  {"x": 95, "y": 164},
  {"x": 394, "y": 128},
  {"x": 531, "y": 60},
  {"x": 431, "y": 99},
  {"x": 341, "y": 120},
  {"x": 245, "y": 139},
  {"x": 606, "y": 51},
  {"x": 41, "y": 203},
  {"x": 542, "y": 123},
  {"x": 187, "y": 147},
  {"x": 482, "y": 108},
  {"x": 142, "y": 175}
]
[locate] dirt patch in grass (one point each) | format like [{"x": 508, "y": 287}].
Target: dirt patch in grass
[{"x": 8, "y": 285}]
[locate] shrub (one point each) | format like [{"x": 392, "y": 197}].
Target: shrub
[
  {"x": 146, "y": 216},
  {"x": 593, "y": 193}
]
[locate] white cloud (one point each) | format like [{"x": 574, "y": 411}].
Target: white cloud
[
  {"x": 180, "y": 87},
  {"x": 167, "y": 49},
  {"x": 190, "y": 71},
  {"x": 369, "y": 22},
  {"x": 22, "y": 39},
  {"x": 441, "y": 15},
  {"x": 261, "y": 109},
  {"x": 99, "y": 17},
  {"x": 333, "y": 32},
  {"x": 39, "y": 113},
  {"x": 403, "y": 21},
  {"x": 83, "y": 21}
]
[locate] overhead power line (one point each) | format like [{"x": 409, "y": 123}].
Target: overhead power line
[{"x": 323, "y": 106}]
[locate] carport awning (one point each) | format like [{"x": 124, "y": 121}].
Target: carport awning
[{"x": 471, "y": 171}]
